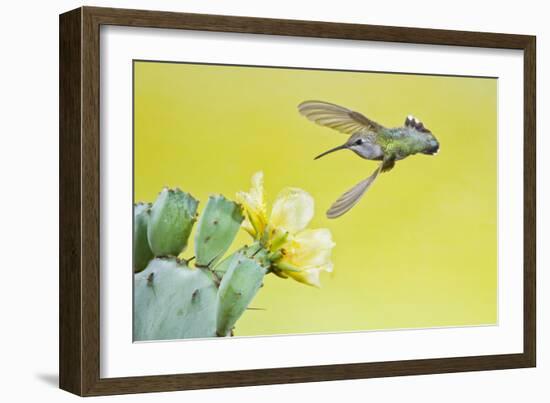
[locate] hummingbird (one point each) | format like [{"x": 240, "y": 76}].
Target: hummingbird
[{"x": 371, "y": 141}]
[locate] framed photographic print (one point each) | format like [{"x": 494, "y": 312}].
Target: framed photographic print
[{"x": 249, "y": 201}]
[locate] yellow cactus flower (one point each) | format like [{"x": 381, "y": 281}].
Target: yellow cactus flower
[{"x": 295, "y": 251}]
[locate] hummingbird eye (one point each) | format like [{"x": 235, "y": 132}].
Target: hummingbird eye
[{"x": 359, "y": 142}]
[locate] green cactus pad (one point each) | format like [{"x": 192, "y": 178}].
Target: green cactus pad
[
  {"x": 219, "y": 223},
  {"x": 173, "y": 301},
  {"x": 142, "y": 251},
  {"x": 239, "y": 285},
  {"x": 171, "y": 220}
]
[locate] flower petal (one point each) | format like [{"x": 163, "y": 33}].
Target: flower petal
[
  {"x": 309, "y": 251},
  {"x": 254, "y": 206},
  {"x": 309, "y": 277},
  {"x": 247, "y": 226},
  {"x": 292, "y": 210},
  {"x": 310, "y": 248}
]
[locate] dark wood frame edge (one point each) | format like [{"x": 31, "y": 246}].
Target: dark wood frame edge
[{"x": 79, "y": 200}]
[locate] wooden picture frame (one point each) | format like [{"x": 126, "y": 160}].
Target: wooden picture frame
[{"x": 79, "y": 346}]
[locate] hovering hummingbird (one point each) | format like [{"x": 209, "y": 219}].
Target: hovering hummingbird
[{"x": 371, "y": 141}]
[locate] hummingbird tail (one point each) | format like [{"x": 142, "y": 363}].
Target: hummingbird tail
[{"x": 352, "y": 196}]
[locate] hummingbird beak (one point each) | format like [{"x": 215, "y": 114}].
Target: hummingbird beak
[{"x": 343, "y": 146}]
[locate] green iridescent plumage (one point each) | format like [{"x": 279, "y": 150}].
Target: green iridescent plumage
[{"x": 401, "y": 142}]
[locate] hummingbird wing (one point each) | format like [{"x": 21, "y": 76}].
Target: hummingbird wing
[
  {"x": 352, "y": 196},
  {"x": 337, "y": 117}
]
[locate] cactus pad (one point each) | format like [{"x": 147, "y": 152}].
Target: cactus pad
[
  {"x": 171, "y": 220},
  {"x": 219, "y": 223},
  {"x": 173, "y": 301},
  {"x": 239, "y": 285}
]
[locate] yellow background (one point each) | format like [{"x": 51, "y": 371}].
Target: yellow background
[{"x": 420, "y": 250}]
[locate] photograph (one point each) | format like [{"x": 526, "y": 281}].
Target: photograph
[{"x": 273, "y": 201}]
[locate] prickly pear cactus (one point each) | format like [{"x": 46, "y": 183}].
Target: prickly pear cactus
[
  {"x": 171, "y": 220},
  {"x": 173, "y": 301},
  {"x": 218, "y": 225},
  {"x": 142, "y": 251}
]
